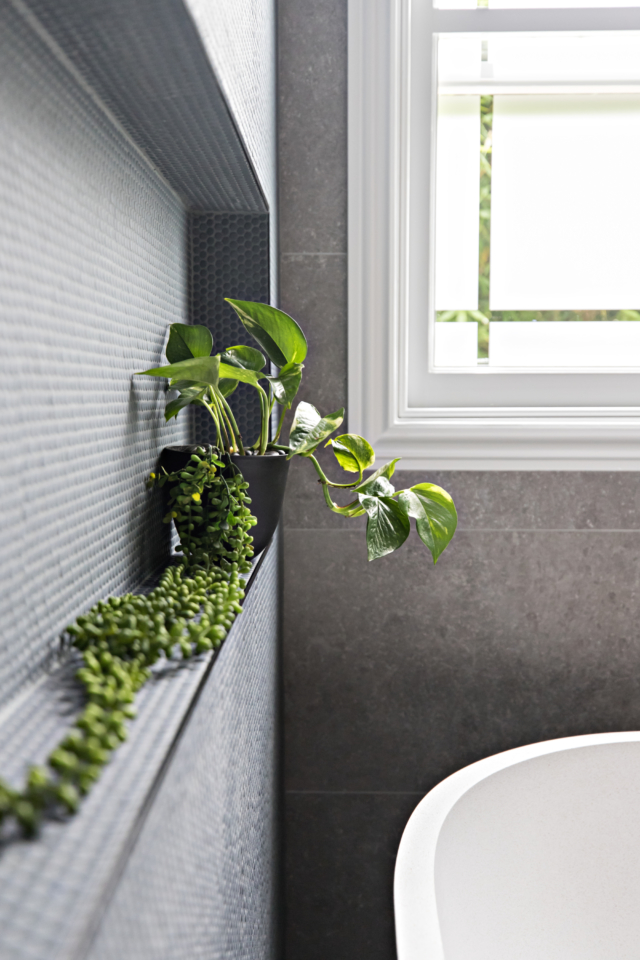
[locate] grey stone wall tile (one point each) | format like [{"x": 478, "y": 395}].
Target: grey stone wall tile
[
  {"x": 398, "y": 672},
  {"x": 551, "y": 500},
  {"x": 340, "y": 855},
  {"x": 305, "y": 507},
  {"x": 313, "y": 125},
  {"x": 503, "y": 500},
  {"x": 314, "y": 291}
]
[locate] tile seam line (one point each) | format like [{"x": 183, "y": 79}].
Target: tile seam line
[
  {"x": 309, "y": 253},
  {"x": 359, "y": 793},
  {"x": 487, "y": 530}
]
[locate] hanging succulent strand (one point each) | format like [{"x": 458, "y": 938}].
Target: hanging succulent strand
[{"x": 120, "y": 639}]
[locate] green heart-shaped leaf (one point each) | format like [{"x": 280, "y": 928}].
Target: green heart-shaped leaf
[
  {"x": 378, "y": 484},
  {"x": 286, "y": 383},
  {"x": 239, "y": 373},
  {"x": 187, "y": 341},
  {"x": 196, "y": 370},
  {"x": 435, "y": 515},
  {"x": 246, "y": 357},
  {"x": 309, "y": 429},
  {"x": 226, "y": 387},
  {"x": 353, "y": 453},
  {"x": 277, "y": 333},
  {"x": 387, "y": 526},
  {"x": 185, "y": 384},
  {"x": 190, "y": 395}
]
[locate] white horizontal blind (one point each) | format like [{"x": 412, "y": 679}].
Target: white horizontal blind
[
  {"x": 531, "y": 4},
  {"x": 457, "y": 202},
  {"x": 565, "y": 202},
  {"x": 456, "y": 344},
  {"x": 577, "y": 343}
]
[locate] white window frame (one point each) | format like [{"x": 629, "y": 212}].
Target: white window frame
[{"x": 390, "y": 233}]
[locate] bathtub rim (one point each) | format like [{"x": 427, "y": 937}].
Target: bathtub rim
[{"x": 416, "y": 916}]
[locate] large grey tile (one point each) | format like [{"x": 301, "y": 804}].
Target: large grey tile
[
  {"x": 340, "y": 854},
  {"x": 511, "y": 500},
  {"x": 304, "y": 505},
  {"x": 543, "y": 499},
  {"x": 313, "y": 125},
  {"x": 397, "y": 672},
  {"x": 314, "y": 291}
]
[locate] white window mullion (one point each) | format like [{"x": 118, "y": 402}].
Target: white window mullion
[{"x": 468, "y": 418}]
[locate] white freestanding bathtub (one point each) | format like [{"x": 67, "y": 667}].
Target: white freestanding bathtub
[{"x": 532, "y": 854}]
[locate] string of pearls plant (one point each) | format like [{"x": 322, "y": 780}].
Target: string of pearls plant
[{"x": 120, "y": 639}]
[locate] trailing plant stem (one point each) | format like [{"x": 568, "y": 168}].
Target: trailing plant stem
[
  {"x": 281, "y": 422},
  {"x": 234, "y": 425},
  {"x": 325, "y": 480}
]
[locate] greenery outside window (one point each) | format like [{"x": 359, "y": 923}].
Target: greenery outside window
[{"x": 494, "y": 294}]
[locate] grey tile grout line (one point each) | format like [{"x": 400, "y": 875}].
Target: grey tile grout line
[
  {"x": 376, "y": 793},
  {"x": 309, "y": 253},
  {"x": 487, "y": 530}
]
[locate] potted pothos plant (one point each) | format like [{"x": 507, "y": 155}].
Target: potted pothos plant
[{"x": 205, "y": 379}]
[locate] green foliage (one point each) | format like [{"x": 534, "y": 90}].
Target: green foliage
[
  {"x": 245, "y": 357},
  {"x": 188, "y": 395},
  {"x": 188, "y": 340},
  {"x": 387, "y": 527},
  {"x": 196, "y": 371},
  {"x": 286, "y": 384},
  {"x": 209, "y": 505},
  {"x": 388, "y": 511},
  {"x": 434, "y": 512},
  {"x": 353, "y": 453},
  {"x": 120, "y": 639},
  {"x": 277, "y": 333},
  {"x": 378, "y": 484},
  {"x": 207, "y": 381},
  {"x": 243, "y": 374},
  {"x": 309, "y": 429}
]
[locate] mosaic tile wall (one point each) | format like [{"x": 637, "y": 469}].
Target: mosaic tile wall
[
  {"x": 100, "y": 167},
  {"x": 201, "y": 882},
  {"x": 93, "y": 266},
  {"x": 178, "y": 115}
]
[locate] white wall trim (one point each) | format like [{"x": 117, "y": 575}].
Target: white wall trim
[{"x": 382, "y": 221}]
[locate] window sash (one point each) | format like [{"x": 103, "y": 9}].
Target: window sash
[{"x": 543, "y": 420}]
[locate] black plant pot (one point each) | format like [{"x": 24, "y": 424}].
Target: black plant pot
[{"x": 267, "y": 479}]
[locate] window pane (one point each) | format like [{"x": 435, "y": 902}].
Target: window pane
[
  {"x": 565, "y": 202},
  {"x": 583, "y": 343},
  {"x": 456, "y": 344},
  {"x": 537, "y": 194},
  {"x": 457, "y": 199}
]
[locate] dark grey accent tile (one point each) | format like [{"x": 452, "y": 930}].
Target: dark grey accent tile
[
  {"x": 312, "y": 43},
  {"x": 398, "y": 673},
  {"x": 314, "y": 291},
  {"x": 340, "y": 855},
  {"x": 509, "y": 499}
]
